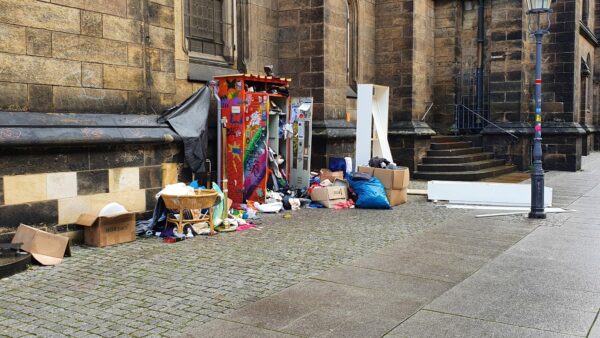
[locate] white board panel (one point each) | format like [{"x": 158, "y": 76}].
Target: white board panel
[
  {"x": 364, "y": 123},
  {"x": 484, "y": 193},
  {"x": 372, "y": 123}
]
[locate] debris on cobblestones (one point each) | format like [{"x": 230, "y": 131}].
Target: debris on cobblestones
[{"x": 131, "y": 288}]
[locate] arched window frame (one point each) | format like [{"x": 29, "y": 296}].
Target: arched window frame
[{"x": 351, "y": 45}]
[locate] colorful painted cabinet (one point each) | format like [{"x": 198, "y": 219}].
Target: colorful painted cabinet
[{"x": 256, "y": 114}]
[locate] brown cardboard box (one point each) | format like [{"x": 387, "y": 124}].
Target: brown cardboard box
[
  {"x": 393, "y": 179},
  {"x": 368, "y": 170},
  {"x": 108, "y": 230},
  {"x": 329, "y": 196},
  {"x": 46, "y": 248},
  {"x": 397, "y": 197},
  {"x": 330, "y": 204},
  {"x": 326, "y": 174}
]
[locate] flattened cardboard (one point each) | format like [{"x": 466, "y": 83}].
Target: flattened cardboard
[
  {"x": 397, "y": 197},
  {"x": 108, "y": 230},
  {"x": 46, "y": 248},
  {"x": 393, "y": 179},
  {"x": 364, "y": 169},
  {"x": 329, "y": 193}
]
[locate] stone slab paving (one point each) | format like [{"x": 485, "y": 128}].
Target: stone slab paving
[
  {"x": 150, "y": 288},
  {"x": 467, "y": 277},
  {"x": 549, "y": 281}
]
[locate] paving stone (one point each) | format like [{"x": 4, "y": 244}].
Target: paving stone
[
  {"x": 99, "y": 282},
  {"x": 131, "y": 288},
  {"x": 318, "y": 308},
  {"x": 418, "y": 289},
  {"x": 222, "y": 328},
  {"x": 434, "y": 324},
  {"x": 490, "y": 297},
  {"x": 423, "y": 263}
]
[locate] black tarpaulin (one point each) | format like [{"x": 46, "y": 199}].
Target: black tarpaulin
[{"x": 189, "y": 120}]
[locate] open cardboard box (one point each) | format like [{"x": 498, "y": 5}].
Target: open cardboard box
[
  {"x": 329, "y": 196},
  {"x": 46, "y": 248},
  {"x": 108, "y": 230},
  {"x": 326, "y": 174}
]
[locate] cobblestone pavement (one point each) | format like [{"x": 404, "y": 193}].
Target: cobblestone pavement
[{"x": 151, "y": 288}]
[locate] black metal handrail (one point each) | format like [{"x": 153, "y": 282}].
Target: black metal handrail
[{"x": 488, "y": 121}]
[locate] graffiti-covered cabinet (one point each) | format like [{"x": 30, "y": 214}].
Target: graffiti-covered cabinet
[{"x": 263, "y": 138}]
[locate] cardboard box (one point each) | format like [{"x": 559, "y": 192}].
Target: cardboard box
[
  {"x": 329, "y": 196},
  {"x": 46, "y": 248},
  {"x": 326, "y": 174},
  {"x": 397, "y": 197},
  {"x": 368, "y": 170},
  {"x": 393, "y": 179},
  {"x": 330, "y": 204},
  {"x": 108, "y": 230}
]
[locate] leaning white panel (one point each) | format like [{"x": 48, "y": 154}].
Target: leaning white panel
[{"x": 483, "y": 193}]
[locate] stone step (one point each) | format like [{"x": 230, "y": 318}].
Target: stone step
[
  {"x": 458, "y": 159},
  {"x": 454, "y": 152},
  {"x": 450, "y": 145},
  {"x": 446, "y": 138},
  {"x": 474, "y": 175},
  {"x": 455, "y": 167}
]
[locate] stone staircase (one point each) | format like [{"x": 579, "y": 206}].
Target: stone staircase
[{"x": 459, "y": 158}]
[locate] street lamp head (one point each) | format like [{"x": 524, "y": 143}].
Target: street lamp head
[{"x": 538, "y": 6}]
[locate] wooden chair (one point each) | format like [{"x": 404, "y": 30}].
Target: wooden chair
[{"x": 204, "y": 199}]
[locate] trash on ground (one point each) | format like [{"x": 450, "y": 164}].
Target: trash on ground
[
  {"x": 112, "y": 225},
  {"x": 420, "y": 192},
  {"x": 46, "y": 248}
]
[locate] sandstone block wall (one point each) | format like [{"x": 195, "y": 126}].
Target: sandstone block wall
[
  {"x": 105, "y": 56},
  {"x": 53, "y": 186}
]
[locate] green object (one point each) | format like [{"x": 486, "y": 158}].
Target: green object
[{"x": 218, "y": 209}]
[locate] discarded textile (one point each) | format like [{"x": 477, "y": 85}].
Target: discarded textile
[
  {"x": 189, "y": 120},
  {"x": 158, "y": 220},
  {"x": 177, "y": 189},
  {"x": 245, "y": 227},
  {"x": 344, "y": 205},
  {"x": 377, "y": 162}
]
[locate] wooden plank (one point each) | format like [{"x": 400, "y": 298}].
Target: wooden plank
[{"x": 422, "y": 192}]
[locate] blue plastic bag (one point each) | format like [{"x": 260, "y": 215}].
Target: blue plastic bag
[
  {"x": 337, "y": 164},
  {"x": 371, "y": 193}
]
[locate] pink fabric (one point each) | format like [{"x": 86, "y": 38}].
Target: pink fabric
[
  {"x": 344, "y": 205},
  {"x": 245, "y": 227}
]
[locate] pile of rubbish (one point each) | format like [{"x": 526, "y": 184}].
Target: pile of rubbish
[{"x": 338, "y": 187}]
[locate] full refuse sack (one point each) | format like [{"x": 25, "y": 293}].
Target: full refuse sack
[{"x": 370, "y": 192}]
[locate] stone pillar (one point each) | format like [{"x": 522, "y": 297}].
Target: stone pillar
[
  {"x": 404, "y": 61},
  {"x": 447, "y": 42}
]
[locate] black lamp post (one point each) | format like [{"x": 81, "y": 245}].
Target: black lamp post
[{"x": 539, "y": 24}]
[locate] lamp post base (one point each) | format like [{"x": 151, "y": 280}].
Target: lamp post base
[{"x": 537, "y": 214}]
